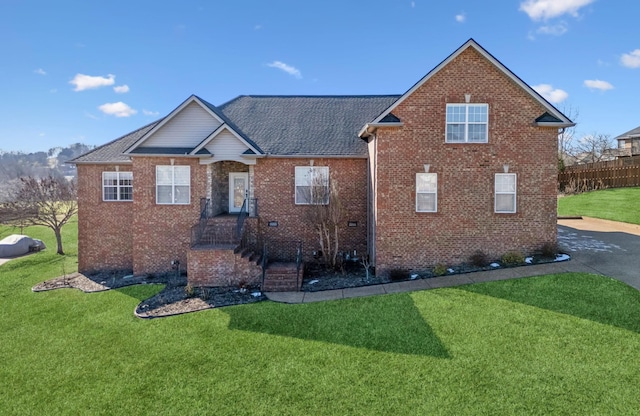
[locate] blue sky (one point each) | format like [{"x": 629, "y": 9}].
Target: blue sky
[{"x": 92, "y": 71}]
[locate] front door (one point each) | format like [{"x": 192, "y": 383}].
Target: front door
[{"x": 238, "y": 187}]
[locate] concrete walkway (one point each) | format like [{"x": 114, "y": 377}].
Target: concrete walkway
[{"x": 596, "y": 246}]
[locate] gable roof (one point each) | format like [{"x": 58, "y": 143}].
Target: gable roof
[
  {"x": 306, "y": 125},
  {"x": 630, "y": 134},
  {"x": 562, "y": 120},
  {"x": 172, "y": 115}
]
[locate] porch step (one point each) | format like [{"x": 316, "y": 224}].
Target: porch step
[{"x": 282, "y": 277}]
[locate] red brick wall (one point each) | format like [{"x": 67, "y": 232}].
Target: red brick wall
[
  {"x": 465, "y": 221},
  {"x": 104, "y": 228},
  {"x": 161, "y": 233},
  {"x": 221, "y": 268},
  {"x": 274, "y": 188}
]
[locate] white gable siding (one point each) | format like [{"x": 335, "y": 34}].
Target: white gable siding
[
  {"x": 188, "y": 128},
  {"x": 225, "y": 146}
]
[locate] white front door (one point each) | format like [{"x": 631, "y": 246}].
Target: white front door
[{"x": 238, "y": 187}]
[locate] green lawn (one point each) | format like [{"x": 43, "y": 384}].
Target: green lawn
[
  {"x": 559, "y": 344},
  {"x": 619, "y": 204}
]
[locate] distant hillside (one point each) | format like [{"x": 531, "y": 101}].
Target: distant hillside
[{"x": 15, "y": 165}]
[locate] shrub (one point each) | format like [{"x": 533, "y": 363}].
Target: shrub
[
  {"x": 479, "y": 259},
  {"x": 190, "y": 291},
  {"x": 440, "y": 270},
  {"x": 397, "y": 275},
  {"x": 549, "y": 250},
  {"x": 512, "y": 258}
]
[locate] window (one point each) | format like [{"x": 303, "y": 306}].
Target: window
[
  {"x": 312, "y": 185},
  {"x": 117, "y": 186},
  {"x": 467, "y": 123},
  {"x": 426, "y": 192},
  {"x": 173, "y": 184},
  {"x": 505, "y": 189}
]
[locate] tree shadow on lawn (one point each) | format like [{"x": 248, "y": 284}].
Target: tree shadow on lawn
[
  {"x": 382, "y": 323},
  {"x": 588, "y": 296}
]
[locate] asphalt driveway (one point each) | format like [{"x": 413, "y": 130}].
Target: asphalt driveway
[{"x": 604, "y": 247}]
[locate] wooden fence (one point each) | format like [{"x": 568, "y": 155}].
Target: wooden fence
[{"x": 619, "y": 173}]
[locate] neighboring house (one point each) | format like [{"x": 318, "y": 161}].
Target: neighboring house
[
  {"x": 465, "y": 160},
  {"x": 629, "y": 143}
]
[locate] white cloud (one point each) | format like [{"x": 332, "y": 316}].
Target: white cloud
[
  {"x": 150, "y": 113},
  {"x": 631, "y": 60},
  {"x": 286, "y": 68},
  {"x": 460, "y": 18},
  {"x": 547, "y": 9},
  {"x": 118, "y": 109},
  {"x": 555, "y": 30},
  {"x": 121, "y": 89},
  {"x": 596, "y": 84},
  {"x": 552, "y": 95},
  {"x": 40, "y": 71},
  {"x": 87, "y": 82}
]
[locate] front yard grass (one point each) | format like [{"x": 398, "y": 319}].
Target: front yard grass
[
  {"x": 619, "y": 204},
  {"x": 557, "y": 344}
]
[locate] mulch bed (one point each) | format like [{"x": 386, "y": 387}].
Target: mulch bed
[{"x": 178, "y": 298}]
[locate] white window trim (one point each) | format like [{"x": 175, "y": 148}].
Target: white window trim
[
  {"x": 514, "y": 193},
  {"x": 117, "y": 186},
  {"x": 435, "y": 193},
  {"x": 300, "y": 170},
  {"x": 467, "y": 123},
  {"x": 173, "y": 185}
]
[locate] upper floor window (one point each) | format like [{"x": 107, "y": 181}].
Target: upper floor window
[
  {"x": 467, "y": 123},
  {"x": 173, "y": 184},
  {"x": 117, "y": 186},
  {"x": 312, "y": 185},
  {"x": 505, "y": 193},
  {"x": 426, "y": 192}
]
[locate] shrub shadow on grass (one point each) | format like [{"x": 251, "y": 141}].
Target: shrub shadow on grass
[
  {"x": 381, "y": 323},
  {"x": 587, "y": 296}
]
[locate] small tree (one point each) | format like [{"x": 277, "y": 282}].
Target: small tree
[
  {"x": 50, "y": 202},
  {"x": 326, "y": 214}
]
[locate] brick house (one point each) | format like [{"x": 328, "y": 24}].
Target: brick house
[{"x": 465, "y": 160}]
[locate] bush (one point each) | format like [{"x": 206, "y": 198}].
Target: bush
[
  {"x": 397, "y": 275},
  {"x": 190, "y": 291},
  {"x": 549, "y": 250},
  {"x": 479, "y": 259},
  {"x": 440, "y": 270},
  {"x": 512, "y": 258}
]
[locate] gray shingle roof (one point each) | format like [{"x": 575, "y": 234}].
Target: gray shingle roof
[
  {"x": 279, "y": 125},
  {"x": 112, "y": 151},
  {"x": 633, "y": 133},
  {"x": 306, "y": 125}
]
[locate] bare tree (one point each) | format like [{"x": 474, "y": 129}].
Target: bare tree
[
  {"x": 566, "y": 138},
  {"x": 326, "y": 214},
  {"x": 595, "y": 147},
  {"x": 50, "y": 202}
]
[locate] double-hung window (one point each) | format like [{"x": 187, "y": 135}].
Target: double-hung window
[
  {"x": 505, "y": 193},
  {"x": 426, "y": 192},
  {"x": 173, "y": 184},
  {"x": 117, "y": 186},
  {"x": 467, "y": 123},
  {"x": 312, "y": 185}
]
